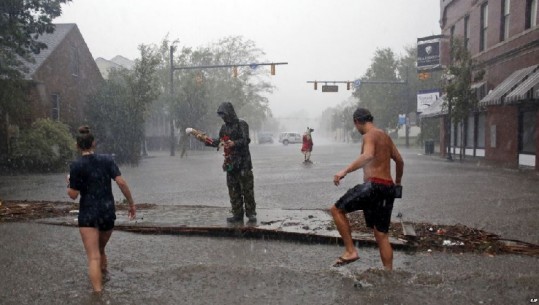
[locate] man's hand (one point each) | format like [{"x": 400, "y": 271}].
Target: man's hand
[{"x": 338, "y": 176}]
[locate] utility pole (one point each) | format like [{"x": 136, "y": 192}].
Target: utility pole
[{"x": 172, "y": 138}]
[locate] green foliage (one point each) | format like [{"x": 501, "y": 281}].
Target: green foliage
[
  {"x": 385, "y": 101},
  {"x": 46, "y": 146},
  {"x": 13, "y": 99},
  {"x": 113, "y": 122},
  {"x": 430, "y": 130},
  {"x": 21, "y": 23},
  {"x": 118, "y": 111},
  {"x": 458, "y": 80},
  {"x": 197, "y": 93}
]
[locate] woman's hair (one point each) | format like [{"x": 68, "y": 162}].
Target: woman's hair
[{"x": 85, "y": 139}]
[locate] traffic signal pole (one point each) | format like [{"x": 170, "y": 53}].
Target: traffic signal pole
[
  {"x": 234, "y": 66},
  {"x": 357, "y": 84}
]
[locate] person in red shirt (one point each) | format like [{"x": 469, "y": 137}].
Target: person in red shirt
[{"x": 307, "y": 146}]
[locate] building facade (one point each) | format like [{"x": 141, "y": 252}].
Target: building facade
[
  {"x": 503, "y": 39},
  {"x": 59, "y": 81}
]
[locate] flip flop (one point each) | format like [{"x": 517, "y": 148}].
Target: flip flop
[{"x": 343, "y": 261}]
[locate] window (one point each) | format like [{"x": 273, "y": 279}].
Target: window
[
  {"x": 466, "y": 31},
  {"x": 55, "y": 106},
  {"x": 531, "y": 14},
  {"x": 484, "y": 27},
  {"x": 470, "y": 131},
  {"x": 481, "y": 121},
  {"x": 527, "y": 132},
  {"x": 74, "y": 61},
  {"x": 504, "y": 24}
]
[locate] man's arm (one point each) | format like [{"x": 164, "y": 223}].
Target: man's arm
[
  {"x": 366, "y": 156},
  {"x": 399, "y": 163},
  {"x": 215, "y": 142}
]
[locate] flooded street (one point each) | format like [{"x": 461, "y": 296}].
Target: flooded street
[
  {"x": 44, "y": 264},
  {"x": 501, "y": 201}
]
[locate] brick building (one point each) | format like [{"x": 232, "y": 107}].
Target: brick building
[
  {"x": 61, "y": 78},
  {"x": 503, "y": 38}
]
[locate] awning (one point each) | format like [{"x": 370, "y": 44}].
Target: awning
[
  {"x": 497, "y": 96},
  {"x": 435, "y": 109},
  {"x": 520, "y": 93}
]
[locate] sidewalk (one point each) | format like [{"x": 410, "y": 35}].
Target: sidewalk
[{"x": 281, "y": 224}]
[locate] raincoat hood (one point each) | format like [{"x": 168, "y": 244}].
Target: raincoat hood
[{"x": 227, "y": 113}]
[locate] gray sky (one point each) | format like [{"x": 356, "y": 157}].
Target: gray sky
[{"x": 320, "y": 39}]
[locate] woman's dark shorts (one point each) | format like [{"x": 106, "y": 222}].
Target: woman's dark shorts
[
  {"x": 376, "y": 201},
  {"x": 93, "y": 219}
]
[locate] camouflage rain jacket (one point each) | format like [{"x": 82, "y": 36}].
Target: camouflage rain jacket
[{"x": 237, "y": 130}]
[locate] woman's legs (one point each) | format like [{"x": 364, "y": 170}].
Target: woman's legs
[
  {"x": 91, "y": 239},
  {"x": 104, "y": 237}
]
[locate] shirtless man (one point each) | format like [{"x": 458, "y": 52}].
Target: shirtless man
[{"x": 375, "y": 196}]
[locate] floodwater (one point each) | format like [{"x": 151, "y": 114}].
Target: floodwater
[
  {"x": 44, "y": 264},
  {"x": 501, "y": 201}
]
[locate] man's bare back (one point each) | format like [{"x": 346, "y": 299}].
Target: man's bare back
[
  {"x": 377, "y": 151},
  {"x": 383, "y": 151}
]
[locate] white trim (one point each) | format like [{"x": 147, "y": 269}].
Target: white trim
[
  {"x": 479, "y": 152},
  {"x": 525, "y": 159}
]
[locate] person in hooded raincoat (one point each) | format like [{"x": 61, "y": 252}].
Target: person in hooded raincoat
[{"x": 234, "y": 137}]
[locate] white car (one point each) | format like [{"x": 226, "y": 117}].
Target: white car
[{"x": 290, "y": 137}]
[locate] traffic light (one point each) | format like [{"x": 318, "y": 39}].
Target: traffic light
[
  {"x": 424, "y": 75},
  {"x": 347, "y": 85},
  {"x": 235, "y": 71},
  {"x": 315, "y": 85},
  {"x": 272, "y": 69}
]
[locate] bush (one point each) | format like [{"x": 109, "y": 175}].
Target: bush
[{"x": 46, "y": 146}]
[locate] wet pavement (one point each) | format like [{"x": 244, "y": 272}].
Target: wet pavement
[
  {"x": 45, "y": 264},
  {"x": 280, "y": 224}
]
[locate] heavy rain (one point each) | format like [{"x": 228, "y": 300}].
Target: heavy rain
[{"x": 224, "y": 145}]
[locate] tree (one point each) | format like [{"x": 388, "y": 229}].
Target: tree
[
  {"x": 198, "y": 93},
  {"x": 21, "y": 23},
  {"x": 144, "y": 84},
  {"x": 383, "y": 100},
  {"x": 460, "y": 101},
  {"x": 119, "y": 110}
]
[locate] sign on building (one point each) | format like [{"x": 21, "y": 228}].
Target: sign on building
[
  {"x": 425, "y": 98},
  {"x": 428, "y": 53}
]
